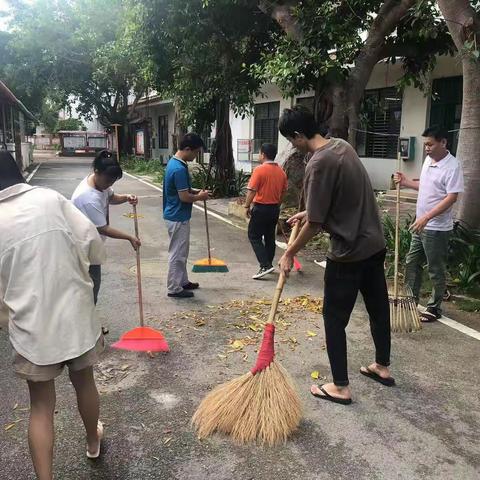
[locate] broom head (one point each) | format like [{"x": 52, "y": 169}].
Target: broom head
[
  {"x": 296, "y": 264},
  {"x": 261, "y": 405},
  {"x": 206, "y": 265},
  {"x": 142, "y": 339},
  {"x": 404, "y": 316}
]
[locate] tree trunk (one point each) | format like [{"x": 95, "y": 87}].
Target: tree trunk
[
  {"x": 179, "y": 129},
  {"x": 464, "y": 25},
  {"x": 338, "y": 121},
  {"x": 223, "y": 160},
  {"x": 294, "y": 167}
]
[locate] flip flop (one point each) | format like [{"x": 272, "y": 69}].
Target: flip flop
[
  {"x": 427, "y": 317},
  {"x": 388, "y": 382},
  {"x": 327, "y": 396},
  {"x": 95, "y": 455}
]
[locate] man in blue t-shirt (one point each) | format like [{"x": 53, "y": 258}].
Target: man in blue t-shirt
[{"x": 178, "y": 197}]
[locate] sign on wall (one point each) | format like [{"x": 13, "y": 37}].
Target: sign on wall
[{"x": 139, "y": 143}]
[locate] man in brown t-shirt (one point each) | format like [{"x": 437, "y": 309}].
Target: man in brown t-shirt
[{"x": 340, "y": 200}]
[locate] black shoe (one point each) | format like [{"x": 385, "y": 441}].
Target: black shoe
[
  {"x": 262, "y": 272},
  {"x": 430, "y": 315},
  {"x": 191, "y": 286},
  {"x": 182, "y": 294}
]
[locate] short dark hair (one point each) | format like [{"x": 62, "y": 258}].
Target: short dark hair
[
  {"x": 269, "y": 150},
  {"x": 107, "y": 164},
  {"x": 437, "y": 132},
  {"x": 298, "y": 120},
  {"x": 192, "y": 141}
]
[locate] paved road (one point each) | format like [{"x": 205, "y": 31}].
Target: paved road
[{"x": 425, "y": 428}]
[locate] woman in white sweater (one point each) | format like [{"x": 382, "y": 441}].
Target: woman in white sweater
[{"x": 46, "y": 248}]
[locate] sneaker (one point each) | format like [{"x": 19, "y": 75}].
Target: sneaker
[
  {"x": 430, "y": 315},
  {"x": 262, "y": 272},
  {"x": 181, "y": 294},
  {"x": 191, "y": 286}
]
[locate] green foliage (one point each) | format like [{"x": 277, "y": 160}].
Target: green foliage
[
  {"x": 141, "y": 166},
  {"x": 204, "y": 177},
  {"x": 464, "y": 257},
  {"x": 405, "y": 238},
  {"x": 69, "y": 124},
  {"x": 81, "y": 50}
]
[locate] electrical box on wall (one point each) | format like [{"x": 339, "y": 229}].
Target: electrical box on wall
[{"x": 406, "y": 146}]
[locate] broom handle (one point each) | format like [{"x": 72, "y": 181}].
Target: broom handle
[
  {"x": 281, "y": 280},
  {"x": 139, "y": 273},
  {"x": 397, "y": 232},
  {"x": 208, "y": 233}
]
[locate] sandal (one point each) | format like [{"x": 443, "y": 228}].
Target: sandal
[
  {"x": 388, "y": 382},
  {"x": 327, "y": 396},
  {"x": 100, "y": 438}
]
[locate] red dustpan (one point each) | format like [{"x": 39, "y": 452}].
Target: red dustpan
[{"x": 141, "y": 339}]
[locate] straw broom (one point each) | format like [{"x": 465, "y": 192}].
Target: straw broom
[
  {"x": 404, "y": 317},
  {"x": 261, "y": 405}
]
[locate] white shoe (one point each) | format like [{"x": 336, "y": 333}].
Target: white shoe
[
  {"x": 262, "y": 272},
  {"x": 100, "y": 438}
]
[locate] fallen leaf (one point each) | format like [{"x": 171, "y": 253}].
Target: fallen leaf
[
  {"x": 311, "y": 334},
  {"x": 15, "y": 406},
  {"x": 237, "y": 345},
  {"x": 200, "y": 322},
  {"x": 315, "y": 375},
  {"x": 124, "y": 367},
  {"x": 168, "y": 440},
  {"x": 10, "y": 426}
]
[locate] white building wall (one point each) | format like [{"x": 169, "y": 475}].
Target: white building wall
[{"x": 415, "y": 118}]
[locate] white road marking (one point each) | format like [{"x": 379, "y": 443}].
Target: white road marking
[
  {"x": 33, "y": 173},
  {"x": 445, "y": 320}
]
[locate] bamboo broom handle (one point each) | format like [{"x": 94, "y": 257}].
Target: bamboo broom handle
[
  {"x": 281, "y": 280},
  {"x": 208, "y": 232},
  {"x": 397, "y": 232},
  {"x": 139, "y": 274}
]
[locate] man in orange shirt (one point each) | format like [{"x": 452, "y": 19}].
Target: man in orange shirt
[{"x": 266, "y": 188}]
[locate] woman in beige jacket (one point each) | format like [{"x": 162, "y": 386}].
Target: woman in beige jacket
[{"x": 46, "y": 248}]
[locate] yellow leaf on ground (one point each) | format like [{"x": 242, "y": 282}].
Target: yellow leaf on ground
[
  {"x": 238, "y": 345},
  {"x": 311, "y": 334},
  {"x": 10, "y": 426},
  {"x": 315, "y": 374}
]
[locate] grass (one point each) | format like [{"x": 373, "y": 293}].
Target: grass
[{"x": 468, "y": 305}]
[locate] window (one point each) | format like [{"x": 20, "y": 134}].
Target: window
[
  {"x": 382, "y": 115},
  {"x": 306, "y": 102},
  {"x": 163, "y": 131},
  {"x": 446, "y": 108},
  {"x": 266, "y": 124}
]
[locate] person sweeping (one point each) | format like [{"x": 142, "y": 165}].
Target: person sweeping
[
  {"x": 265, "y": 192},
  {"x": 178, "y": 197},
  {"x": 46, "y": 247},
  {"x": 93, "y": 197},
  {"x": 340, "y": 200}
]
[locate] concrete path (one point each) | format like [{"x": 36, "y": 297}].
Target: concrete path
[{"x": 425, "y": 428}]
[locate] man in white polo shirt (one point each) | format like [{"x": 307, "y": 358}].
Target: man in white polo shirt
[{"x": 440, "y": 183}]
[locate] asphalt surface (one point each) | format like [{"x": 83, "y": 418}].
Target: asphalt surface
[{"x": 427, "y": 427}]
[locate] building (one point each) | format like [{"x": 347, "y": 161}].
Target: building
[
  {"x": 13, "y": 118},
  {"x": 390, "y": 118}
]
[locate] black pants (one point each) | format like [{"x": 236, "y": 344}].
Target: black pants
[
  {"x": 343, "y": 281},
  {"x": 96, "y": 276},
  {"x": 261, "y": 232}
]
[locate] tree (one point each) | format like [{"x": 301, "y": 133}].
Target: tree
[
  {"x": 463, "y": 20},
  {"x": 69, "y": 124},
  {"x": 84, "y": 50},
  {"x": 332, "y": 48},
  {"x": 208, "y": 48}
]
